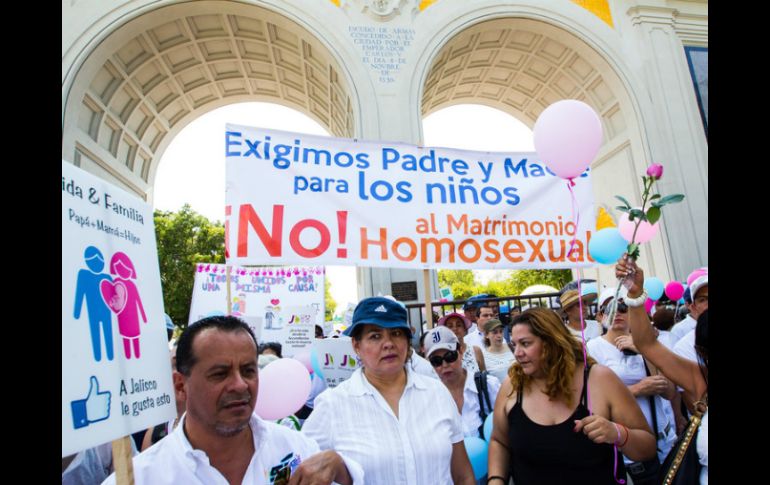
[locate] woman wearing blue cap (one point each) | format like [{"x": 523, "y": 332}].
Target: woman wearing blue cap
[{"x": 402, "y": 427}]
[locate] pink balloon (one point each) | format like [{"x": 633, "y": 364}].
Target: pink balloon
[
  {"x": 284, "y": 386},
  {"x": 646, "y": 230},
  {"x": 567, "y": 135},
  {"x": 695, "y": 274},
  {"x": 674, "y": 290},
  {"x": 648, "y": 304},
  {"x": 304, "y": 357}
]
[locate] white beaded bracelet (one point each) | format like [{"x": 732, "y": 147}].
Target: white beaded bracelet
[{"x": 636, "y": 302}]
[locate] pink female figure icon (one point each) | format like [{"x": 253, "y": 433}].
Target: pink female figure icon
[{"x": 122, "y": 296}]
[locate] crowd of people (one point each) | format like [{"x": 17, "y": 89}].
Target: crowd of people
[{"x": 597, "y": 413}]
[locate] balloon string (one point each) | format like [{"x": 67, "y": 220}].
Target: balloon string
[
  {"x": 575, "y": 217},
  {"x": 576, "y": 221}
]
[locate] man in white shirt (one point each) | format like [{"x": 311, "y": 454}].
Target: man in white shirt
[
  {"x": 475, "y": 336},
  {"x": 698, "y": 291},
  {"x": 570, "y": 307},
  {"x": 220, "y": 440}
]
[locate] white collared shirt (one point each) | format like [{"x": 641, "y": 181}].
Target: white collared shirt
[
  {"x": 680, "y": 329},
  {"x": 474, "y": 337},
  {"x": 592, "y": 330},
  {"x": 415, "y": 448},
  {"x": 421, "y": 366},
  {"x": 470, "y": 414},
  {"x": 685, "y": 347},
  {"x": 173, "y": 460}
]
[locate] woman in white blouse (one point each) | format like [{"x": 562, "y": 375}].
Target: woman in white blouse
[
  {"x": 402, "y": 427},
  {"x": 497, "y": 354}
]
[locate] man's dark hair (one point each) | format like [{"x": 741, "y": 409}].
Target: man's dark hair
[
  {"x": 185, "y": 359},
  {"x": 274, "y": 346},
  {"x": 663, "y": 319},
  {"x": 483, "y": 305}
]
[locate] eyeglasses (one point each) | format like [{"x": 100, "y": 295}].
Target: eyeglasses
[
  {"x": 622, "y": 308},
  {"x": 449, "y": 357}
]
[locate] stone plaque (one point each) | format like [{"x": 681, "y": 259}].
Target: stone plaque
[{"x": 404, "y": 290}]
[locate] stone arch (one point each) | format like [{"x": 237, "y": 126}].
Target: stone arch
[
  {"x": 521, "y": 66},
  {"x": 521, "y": 62},
  {"x": 152, "y": 75}
]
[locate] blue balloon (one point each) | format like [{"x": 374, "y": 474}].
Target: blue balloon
[
  {"x": 314, "y": 363},
  {"x": 477, "y": 450},
  {"x": 654, "y": 287},
  {"x": 681, "y": 301},
  {"x": 488, "y": 428},
  {"x": 607, "y": 246},
  {"x": 588, "y": 288}
]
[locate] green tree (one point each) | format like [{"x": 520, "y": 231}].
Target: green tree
[
  {"x": 461, "y": 281},
  {"x": 464, "y": 285},
  {"x": 184, "y": 239},
  {"x": 329, "y": 303},
  {"x": 521, "y": 279}
]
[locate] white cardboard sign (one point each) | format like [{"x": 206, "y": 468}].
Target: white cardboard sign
[{"x": 116, "y": 369}]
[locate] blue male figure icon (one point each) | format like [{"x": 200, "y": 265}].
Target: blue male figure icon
[{"x": 99, "y": 314}]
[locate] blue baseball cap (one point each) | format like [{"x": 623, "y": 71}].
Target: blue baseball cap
[
  {"x": 379, "y": 311},
  {"x": 473, "y": 302}
]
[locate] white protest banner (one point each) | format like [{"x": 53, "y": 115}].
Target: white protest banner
[
  {"x": 116, "y": 368},
  {"x": 336, "y": 359},
  {"x": 295, "y": 198},
  {"x": 281, "y": 304}
]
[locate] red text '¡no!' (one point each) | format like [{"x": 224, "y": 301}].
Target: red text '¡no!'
[
  {"x": 272, "y": 240},
  {"x": 379, "y": 244}
]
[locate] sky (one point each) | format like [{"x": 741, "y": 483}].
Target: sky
[{"x": 192, "y": 169}]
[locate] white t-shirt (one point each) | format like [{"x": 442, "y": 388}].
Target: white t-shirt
[
  {"x": 413, "y": 448},
  {"x": 421, "y": 365},
  {"x": 680, "y": 329},
  {"x": 685, "y": 347},
  {"x": 470, "y": 414},
  {"x": 592, "y": 330},
  {"x": 474, "y": 337},
  {"x": 498, "y": 364},
  {"x": 630, "y": 370},
  {"x": 173, "y": 460}
]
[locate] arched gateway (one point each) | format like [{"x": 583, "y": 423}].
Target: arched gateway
[{"x": 135, "y": 73}]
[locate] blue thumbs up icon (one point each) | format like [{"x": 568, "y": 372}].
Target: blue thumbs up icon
[{"x": 95, "y": 407}]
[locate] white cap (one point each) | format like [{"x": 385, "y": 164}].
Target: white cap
[
  {"x": 440, "y": 338},
  {"x": 696, "y": 285},
  {"x": 609, "y": 293}
]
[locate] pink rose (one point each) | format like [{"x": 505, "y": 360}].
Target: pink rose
[{"x": 655, "y": 171}]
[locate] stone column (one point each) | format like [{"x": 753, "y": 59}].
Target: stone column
[{"x": 674, "y": 130}]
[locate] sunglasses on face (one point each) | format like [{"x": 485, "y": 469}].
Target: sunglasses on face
[
  {"x": 622, "y": 308},
  {"x": 449, "y": 357}
]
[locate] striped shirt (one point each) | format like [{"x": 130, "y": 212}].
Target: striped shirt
[{"x": 415, "y": 448}]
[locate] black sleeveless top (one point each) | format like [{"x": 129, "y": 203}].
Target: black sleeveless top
[{"x": 542, "y": 455}]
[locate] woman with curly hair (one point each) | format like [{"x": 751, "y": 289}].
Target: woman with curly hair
[{"x": 556, "y": 419}]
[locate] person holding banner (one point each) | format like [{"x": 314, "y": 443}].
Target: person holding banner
[
  {"x": 219, "y": 439},
  {"x": 556, "y": 419},
  {"x": 402, "y": 427}
]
